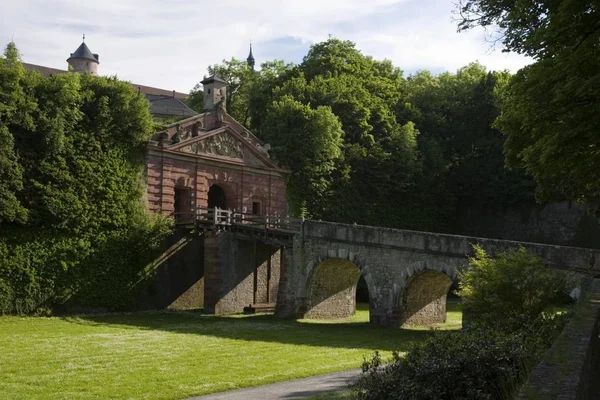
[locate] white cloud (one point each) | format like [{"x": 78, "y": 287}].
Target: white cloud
[{"x": 170, "y": 43}]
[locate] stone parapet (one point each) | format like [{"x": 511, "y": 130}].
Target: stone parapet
[{"x": 568, "y": 368}]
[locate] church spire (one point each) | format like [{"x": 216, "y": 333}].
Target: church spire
[{"x": 250, "y": 59}]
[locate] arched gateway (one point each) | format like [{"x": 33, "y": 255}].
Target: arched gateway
[{"x": 205, "y": 161}]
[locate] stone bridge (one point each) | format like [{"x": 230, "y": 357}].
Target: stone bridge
[{"x": 408, "y": 273}]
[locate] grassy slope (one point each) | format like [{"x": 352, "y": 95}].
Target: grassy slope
[{"x": 178, "y": 355}]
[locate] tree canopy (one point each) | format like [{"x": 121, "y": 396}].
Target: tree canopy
[
  {"x": 549, "y": 110},
  {"x": 71, "y": 189},
  {"x": 412, "y": 150}
]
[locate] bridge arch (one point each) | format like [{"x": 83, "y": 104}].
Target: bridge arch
[
  {"x": 330, "y": 290},
  {"x": 422, "y": 293}
]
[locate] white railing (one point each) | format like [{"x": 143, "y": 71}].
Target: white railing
[{"x": 222, "y": 218}]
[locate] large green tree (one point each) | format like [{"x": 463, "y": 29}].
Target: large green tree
[
  {"x": 76, "y": 152},
  {"x": 416, "y": 151},
  {"x": 456, "y": 111},
  {"x": 550, "y": 110},
  {"x": 14, "y": 106},
  {"x": 308, "y": 142}
]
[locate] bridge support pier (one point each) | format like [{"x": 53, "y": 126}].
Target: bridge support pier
[{"x": 239, "y": 272}]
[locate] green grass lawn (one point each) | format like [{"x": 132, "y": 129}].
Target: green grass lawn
[{"x": 165, "y": 355}]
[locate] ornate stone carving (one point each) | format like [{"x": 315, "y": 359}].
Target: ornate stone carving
[
  {"x": 192, "y": 148},
  {"x": 187, "y": 133},
  {"x": 223, "y": 144},
  {"x": 264, "y": 149},
  {"x": 253, "y": 160},
  {"x": 177, "y": 135}
]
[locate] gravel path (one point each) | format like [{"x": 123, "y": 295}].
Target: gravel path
[{"x": 296, "y": 389}]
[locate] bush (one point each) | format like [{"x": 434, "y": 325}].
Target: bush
[
  {"x": 72, "y": 219},
  {"x": 491, "y": 358},
  {"x": 510, "y": 286},
  {"x": 42, "y": 269},
  {"x": 477, "y": 363}
]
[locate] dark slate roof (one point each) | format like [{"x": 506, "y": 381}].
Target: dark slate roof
[
  {"x": 250, "y": 56},
  {"x": 213, "y": 78},
  {"x": 159, "y": 92},
  {"x": 84, "y": 52},
  {"x": 169, "y": 106},
  {"x": 46, "y": 71}
]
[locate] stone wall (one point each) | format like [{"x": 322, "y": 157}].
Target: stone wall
[
  {"x": 239, "y": 273},
  {"x": 570, "y": 369},
  {"x": 562, "y": 223},
  {"x": 242, "y": 186},
  {"x": 178, "y": 279}
]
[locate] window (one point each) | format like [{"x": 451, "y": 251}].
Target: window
[
  {"x": 208, "y": 91},
  {"x": 183, "y": 205},
  {"x": 256, "y": 208}
]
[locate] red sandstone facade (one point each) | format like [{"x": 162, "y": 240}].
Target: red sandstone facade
[{"x": 211, "y": 160}]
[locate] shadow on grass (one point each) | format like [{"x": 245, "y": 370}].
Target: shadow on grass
[{"x": 264, "y": 328}]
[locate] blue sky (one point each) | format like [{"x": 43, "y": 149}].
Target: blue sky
[{"x": 170, "y": 43}]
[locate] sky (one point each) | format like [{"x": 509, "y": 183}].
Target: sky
[{"x": 170, "y": 43}]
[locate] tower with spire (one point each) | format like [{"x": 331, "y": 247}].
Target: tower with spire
[
  {"x": 250, "y": 59},
  {"x": 83, "y": 60}
]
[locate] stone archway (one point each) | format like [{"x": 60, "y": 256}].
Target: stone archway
[
  {"x": 217, "y": 197},
  {"x": 331, "y": 291},
  {"x": 422, "y": 299}
]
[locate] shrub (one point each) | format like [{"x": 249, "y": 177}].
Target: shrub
[
  {"x": 490, "y": 358},
  {"x": 477, "y": 363},
  {"x": 511, "y": 286},
  {"x": 41, "y": 269}
]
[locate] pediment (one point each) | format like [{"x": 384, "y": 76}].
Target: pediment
[{"x": 227, "y": 145}]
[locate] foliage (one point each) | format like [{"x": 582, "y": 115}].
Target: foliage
[
  {"x": 512, "y": 285},
  {"x": 307, "y": 141},
  {"x": 238, "y": 76},
  {"x": 13, "y": 105},
  {"x": 549, "y": 115},
  {"x": 477, "y": 363},
  {"x": 492, "y": 356},
  {"x": 549, "y": 111},
  {"x": 78, "y": 143},
  {"x": 415, "y": 150}
]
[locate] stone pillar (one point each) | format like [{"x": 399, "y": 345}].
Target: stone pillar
[
  {"x": 286, "y": 304},
  {"x": 212, "y": 274}
]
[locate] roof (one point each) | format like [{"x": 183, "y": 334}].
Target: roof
[
  {"x": 162, "y": 101},
  {"x": 250, "y": 56},
  {"x": 169, "y": 105},
  {"x": 159, "y": 92},
  {"x": 84, "y": 52},
  {"x": 46, "y": 71},
  {"x": 213, "y": 78}
]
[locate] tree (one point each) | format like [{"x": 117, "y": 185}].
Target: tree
[
  {"x": 549, "y": 111},
  {"x": 14, "y": 106},
  {"x": 308, "y": 142},
  {"x": 75, "y": 148}
]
